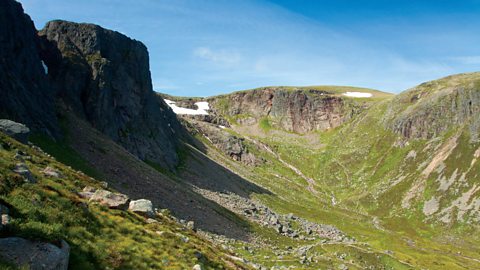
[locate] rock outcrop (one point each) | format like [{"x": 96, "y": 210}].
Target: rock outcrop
[
  {"x": 110, "y": 199},
  {"x": 15, "y": 130},
  {"x": 229, "y": 144},
  {"x": 104, "y": 78},
  {"x": 297, "y": 110},
  {"x": 27, "y": 254},
  {"x": 26, "y": 95},
  {"x": 142, "y": 206},
  {"x": 432, "y": 108}
]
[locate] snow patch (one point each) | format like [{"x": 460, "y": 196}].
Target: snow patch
[
  {"x": 357, "y": 94},
  {"x": 45, "y": 68},
  {"x": 202, "y": 108},
  {"x": 222, "y": 127}
]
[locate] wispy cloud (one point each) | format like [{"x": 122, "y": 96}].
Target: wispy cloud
[
  {"x": 224, "y": 57},
  {"x": 468, "y": 60}
]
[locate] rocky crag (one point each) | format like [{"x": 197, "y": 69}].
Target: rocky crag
[
  {"x": 27, "y": 95},
  {"x": 292, "y": 109},
  {"x": 104, "y": 77}
]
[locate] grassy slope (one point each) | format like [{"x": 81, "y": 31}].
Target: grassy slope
[
  {"x": 359, "y": 163},
  {"x": 100, "y": 238}
]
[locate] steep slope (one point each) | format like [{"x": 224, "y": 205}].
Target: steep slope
[
  {"x": 52, "y": 209},
  {"x": 26, "y": 93},
  {"x": 408, "y": 196},
  {"x": 295, "y": 109},
  {"x": 104, "y": 78}
]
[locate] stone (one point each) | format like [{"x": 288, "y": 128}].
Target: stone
[
  {"x": 151, "y": 221},
  {"x": 191, "y": 225},
  {"x": 15, "y": 130},
  {"x": 35, "y": 255},
  {"x": 142, "y": 206},
  {"x": 22, "y": 169},
  {"x": 51, "y": 172},
  {"x": 110, "y": 199},
  {"x": 5, "y": 219},
  {"x": 197, "y": 267}
]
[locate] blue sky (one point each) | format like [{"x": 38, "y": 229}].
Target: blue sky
[{"x": 208, "y": 47}]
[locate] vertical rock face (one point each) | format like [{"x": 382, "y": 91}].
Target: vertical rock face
[
  {"x": 432, "y": 108},
  {"x": 103, "y": 76},
  {"x": 293, "y": 110},
  {"x": 26, "y": 95}
]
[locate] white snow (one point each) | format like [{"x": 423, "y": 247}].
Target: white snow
[
  {"x": 222, "y": 127},
  {"x": 202, "y": 108},
  {"x": 357, "y": 94},
  {"x": 45, "y": 67}
]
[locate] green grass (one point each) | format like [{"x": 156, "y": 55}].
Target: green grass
[
  {"x": 264, "y": 124},
  {"x": 100, "y": 238},
  {"x": 65, "y": 154}
]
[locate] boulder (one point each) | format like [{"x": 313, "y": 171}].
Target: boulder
[
  {"x": 34, "y": 255},
  {"x": 110, "y": 199},
  {"x": 15, "y": 130},
  {"x": 142, "y": 206},
  {"x": 197, "y": 267},
  {"x": 51, "y": 172},
  {"x": 22, "y": 169}
]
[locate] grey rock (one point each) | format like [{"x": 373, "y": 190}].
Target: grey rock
[
  {"x": 296, "y": 110},
  {"x": 142, "y": 206},
  {"x": 51, "y": 172},
  {"x": 15, "y": 130},
  {"x": 34, "y": 255},
  {"x": 22, "y": 169},
  {"x": 110, "y": 199},
  {"x": 104, "y": 78}
]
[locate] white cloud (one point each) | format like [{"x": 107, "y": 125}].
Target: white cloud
[
  {"x": 468, "y": 60},
  {"x": 224, "y": 57}
]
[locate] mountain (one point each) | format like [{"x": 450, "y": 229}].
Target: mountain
[{"x": 117, "y": 176}]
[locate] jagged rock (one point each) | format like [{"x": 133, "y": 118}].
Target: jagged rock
[
  {"x": 110, "y": 199},
  {"x": 231, "y": 145},
  {"x": 51, "y": 172},
  {"x": 15, "y": 130},
  {"x": 142, "y": 206},
  {"x": 26, "y": 95},
  {"x": 104, "y": 77},
  {"x": 22, "y": 169},
  {"x": 34, "y": 255},
  {"x": 434, "y": 107},
  {"x": 298, "y": 110}
]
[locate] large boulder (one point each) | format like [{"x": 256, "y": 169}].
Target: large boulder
[
  {"x": 142, "y": 206},
  {"x": 31, "y": 255},
  {"x": 110, "y": 199},
  {"x": 26, "y": 95},
  {"x": 15, "y": 130}
]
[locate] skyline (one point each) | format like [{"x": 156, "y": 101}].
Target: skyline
[{"x": 203, "y": 48}]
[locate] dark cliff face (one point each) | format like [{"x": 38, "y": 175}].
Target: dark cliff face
[
  {"x": 433, "y": 108},
  {"x": 299, "y": 111},
  {"x": 103, "y": 77},
  {"x": 26, "y": 95}
]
